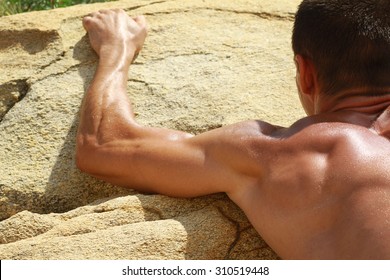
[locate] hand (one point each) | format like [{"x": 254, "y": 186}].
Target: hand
[{"x": 113, "y": 33}]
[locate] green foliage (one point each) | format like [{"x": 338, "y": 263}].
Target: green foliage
[{"x": 9, "y": 7}]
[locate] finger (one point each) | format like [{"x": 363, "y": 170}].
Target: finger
[
  {"x": 140, "y": 20},
  {"x": 87, "y": 20}
]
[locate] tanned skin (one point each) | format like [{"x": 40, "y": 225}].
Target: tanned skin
[{"x": 319, "y": 189}]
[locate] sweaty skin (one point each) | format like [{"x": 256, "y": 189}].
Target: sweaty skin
[{"x": 319, "y": 189}]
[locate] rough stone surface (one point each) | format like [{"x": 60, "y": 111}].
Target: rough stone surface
[{"x": 206, "y": 64}]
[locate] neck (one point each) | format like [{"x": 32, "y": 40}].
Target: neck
[
  {"x": 360, "y": 100},
  {"x": 366, "y": 107}
]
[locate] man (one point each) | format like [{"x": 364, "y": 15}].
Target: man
[{"x": 319, "y": 189}]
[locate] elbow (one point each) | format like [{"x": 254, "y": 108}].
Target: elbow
[
  {"x": 85, "y": 151},
  {"x": 80, "y": 161}
]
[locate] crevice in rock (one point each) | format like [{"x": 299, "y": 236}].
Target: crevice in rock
[
  {"x": 150, "y": 214},
  {"x": 289, "y": 16},
  {"x": 55, "y": 60},
  {"x": 263, "y": 15},
  {"x": 12, "y": 93},
  {"x": 71, "y": 68},
  {"x": 170, "y": 12},
  {"x": 141, "y": 6},
  {"x": 138, "y": 81},
  {"x": 195, "y": 53},
  {"x": 237, "y": 234}
]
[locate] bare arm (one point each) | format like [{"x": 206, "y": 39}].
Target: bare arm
[{"x": 113, "y": 147}]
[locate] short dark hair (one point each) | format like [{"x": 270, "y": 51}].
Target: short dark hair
[{"x": 348, "y": 41}]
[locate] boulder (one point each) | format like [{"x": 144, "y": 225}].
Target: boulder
[{"x": 205, "y": 64}]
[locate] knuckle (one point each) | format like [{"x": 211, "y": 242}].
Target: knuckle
[{"x": 87, "y": 20}]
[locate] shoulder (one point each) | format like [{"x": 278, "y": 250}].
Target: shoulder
[
  {"x": 237, "y": 134},
  {"x": 325, "y": 129},
  {"x": 342, "y": 147},
  {"x": 242, "y": 148}
]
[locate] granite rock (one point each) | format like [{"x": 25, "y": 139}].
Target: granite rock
[{"x": 205, "y": 64}]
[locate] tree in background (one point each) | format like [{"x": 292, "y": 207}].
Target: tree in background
[{"x": 9, "y": 7}]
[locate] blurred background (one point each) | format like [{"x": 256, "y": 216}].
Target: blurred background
[{"x": 10, "y": 7}]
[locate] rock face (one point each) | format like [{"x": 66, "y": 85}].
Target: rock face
[{"x": 205, "y": 64}]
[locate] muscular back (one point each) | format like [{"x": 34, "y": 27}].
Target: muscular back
[{"x": 325, "y": 192}]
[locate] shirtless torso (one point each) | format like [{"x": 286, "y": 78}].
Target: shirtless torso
[
  {"x": 326, "y": 190},
  {"x": 317, "y": 190}
]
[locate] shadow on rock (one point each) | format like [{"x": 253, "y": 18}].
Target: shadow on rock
[{"x": 67, "y": 187}]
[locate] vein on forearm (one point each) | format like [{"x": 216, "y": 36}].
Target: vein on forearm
[{"x": 106, "y": 106}]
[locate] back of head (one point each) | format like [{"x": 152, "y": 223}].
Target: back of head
[{"x": 348, "y": 42}]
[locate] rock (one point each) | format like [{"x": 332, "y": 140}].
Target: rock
[
  {"x": 135, "y": 227},
  {"x": 205, "y": 64}
]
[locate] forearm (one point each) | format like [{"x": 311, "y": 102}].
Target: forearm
[{"x": 106, "y": 107}]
